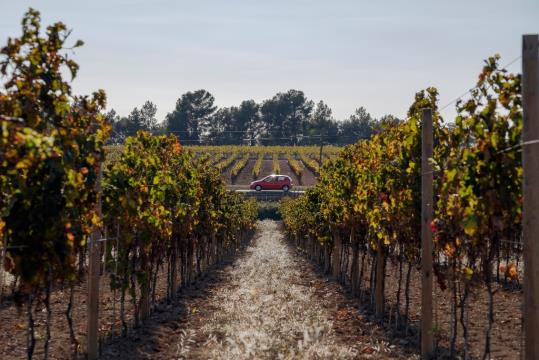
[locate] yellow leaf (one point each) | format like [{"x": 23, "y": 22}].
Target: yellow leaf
[
  {"x": 468, "y": 273},
  {"x": 470, "y": 225},
  {"x": 96, "y": 220},
  {"x": 21, "y": 165}
]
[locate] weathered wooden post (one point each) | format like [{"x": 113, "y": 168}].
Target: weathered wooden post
[
  {"x": 354, "y": 269},
  {"x": 2, "y": 272},
  {"x": 379, "y": 287},
  {"x": 336, "y": 253},
  {"x": 427, "y": 343},
  {"x": 530, "y": 162},
  {"x": 145, "y": 298},
  {"x": 94, "y": 262}
]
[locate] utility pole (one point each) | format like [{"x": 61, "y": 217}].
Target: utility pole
[
  {"x": 530, "y": 221},
  {"x": 321, "y": 148}
]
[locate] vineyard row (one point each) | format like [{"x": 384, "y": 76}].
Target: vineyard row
[
  {"x": 368, "y": 204},
  {"x": 62, "y": 192}
]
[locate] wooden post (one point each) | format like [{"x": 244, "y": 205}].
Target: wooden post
[
  {"x": 530, "y": 162},
  {"x": 354, "y": 269},
  {"x": 145, "y": 290},
  {"x": 427, "y": 343},
  {"x": 2, "y": 272},
  {"x": 145, "y": 299},
  {"x": 379, "y": 291},
  {"x": 94, "y": 262},
  {"x": 174, "y": 269},
  {"x": 327, "y": 260},
  {"x": 336, "y": 254}
]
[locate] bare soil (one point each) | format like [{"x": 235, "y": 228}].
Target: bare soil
[
  {"x": 308, "y": 178},
  {"x": 13, "y": 321},
  {"x": 246, "y": 174},
  {"x": 287, "y": 170},
  {"x": 267, "y": 168},
  {"x": 506, "y": 341}
]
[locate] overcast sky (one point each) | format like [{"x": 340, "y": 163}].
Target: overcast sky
[{"x": 375, "y": 54}]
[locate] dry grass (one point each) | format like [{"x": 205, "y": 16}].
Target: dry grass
[{"x": 265, "y": 312}]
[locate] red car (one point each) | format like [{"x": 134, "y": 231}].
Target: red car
[{"x": 273, "y": 182}]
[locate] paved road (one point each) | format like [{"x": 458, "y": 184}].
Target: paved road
[{"x": 269, "y": 195}]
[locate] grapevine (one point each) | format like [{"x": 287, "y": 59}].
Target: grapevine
[
  {"x": 239, "y": 165},
  {"x": 294, "y": 165},
  {"x": 309, "y": 162},
  {"x": 368, "y": 197},
  {"x": 50, "y": 162},
  {"x": 258, "y": 165},
  {"x": 227, "y": 161},
  {"x": 167, "y": 207}
]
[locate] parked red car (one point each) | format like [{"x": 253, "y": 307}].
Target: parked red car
[{"x": 273, "y": 182}]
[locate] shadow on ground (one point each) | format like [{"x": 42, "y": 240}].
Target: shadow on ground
[{"x": 167, "y": 320}]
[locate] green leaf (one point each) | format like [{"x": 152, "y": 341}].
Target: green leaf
[
  {"x": 470, "y": 225},
  {"x": 451, "y": 174}
]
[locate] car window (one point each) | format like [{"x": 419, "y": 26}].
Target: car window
[
  {"x": 268, "y": 179},
  {"x": 280, "y": 178}
]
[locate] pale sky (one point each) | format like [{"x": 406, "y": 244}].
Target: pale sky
[{"x": 375, "y": 54}]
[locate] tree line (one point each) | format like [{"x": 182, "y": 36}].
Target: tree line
[{"x": 288, "y": 118}]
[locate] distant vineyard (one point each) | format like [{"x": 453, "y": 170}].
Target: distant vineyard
[
  {"x": 294, "y": 165},
  {"x": 239, "y": 165},
  {"x": 328, "y": 151},
  {"x": 258, "y": 165},
  {"x": 244, "y": 163},
  {"x": 309, "y": 162}
]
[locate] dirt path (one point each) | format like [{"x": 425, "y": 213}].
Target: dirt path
[
  {"x": 268, "y": 304},
  {"x": 308, "y": 178},
  {"x": 264, "y": 312}
]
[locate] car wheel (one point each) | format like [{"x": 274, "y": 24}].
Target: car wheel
[
  {"x": 285, "y": 188},
  {"x": 258, "y": 188}
]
